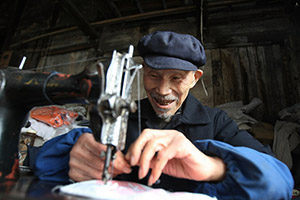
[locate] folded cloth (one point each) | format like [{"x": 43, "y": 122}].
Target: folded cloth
[
  {"x": 286, "y": 139},
  {"x": 239, "y": 112},
  {"x": 291, "y": 114},
  {"x": 52, "y": 160}
]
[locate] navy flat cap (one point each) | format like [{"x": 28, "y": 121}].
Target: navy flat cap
[{"x": 169, "y": 50}]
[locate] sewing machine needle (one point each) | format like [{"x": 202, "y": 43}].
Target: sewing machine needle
[{"x": 106, "y": 175}]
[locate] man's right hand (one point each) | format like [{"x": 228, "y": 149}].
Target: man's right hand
[{"x": 85, "y": 161}]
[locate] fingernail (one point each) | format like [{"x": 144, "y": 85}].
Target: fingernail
[
  {"x": 127, "y": 157},
  {"x": 127, "y": 170},
  {"x": 140, "y": 173},
  {"x": 150, "y": 180},
  {"x": 132, "y": 160}
]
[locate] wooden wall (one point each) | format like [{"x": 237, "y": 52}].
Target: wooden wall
[{"x": 243, "y": 73}]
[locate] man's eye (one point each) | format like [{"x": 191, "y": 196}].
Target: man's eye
[
  {"x": 176, "y": 78},
  {"x": 153, "y": 75}
]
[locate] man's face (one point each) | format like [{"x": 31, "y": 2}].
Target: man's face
[{"x": 167, "y": 89}]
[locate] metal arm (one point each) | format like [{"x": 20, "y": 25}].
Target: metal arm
[{"x": 115, "y": 103}]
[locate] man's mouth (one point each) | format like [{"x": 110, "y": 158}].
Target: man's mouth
[{"x": 163, "y": 102}]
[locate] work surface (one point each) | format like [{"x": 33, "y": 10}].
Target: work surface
[{"x": 28, "y": 187}]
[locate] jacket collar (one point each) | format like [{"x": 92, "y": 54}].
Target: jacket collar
[{"x": 193, "y": 112}]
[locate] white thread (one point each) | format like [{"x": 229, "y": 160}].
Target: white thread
[{"x": 139, "y": 104}]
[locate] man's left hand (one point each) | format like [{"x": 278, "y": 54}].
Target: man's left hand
[{"x": 170, "y": 152}]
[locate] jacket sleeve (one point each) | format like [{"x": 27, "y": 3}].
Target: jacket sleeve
[
  {"x": 250, "y": 174},
  {"x": 52, "y": 160}
]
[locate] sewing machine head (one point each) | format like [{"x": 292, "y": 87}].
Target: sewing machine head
[{"x": 109, "y": 99}]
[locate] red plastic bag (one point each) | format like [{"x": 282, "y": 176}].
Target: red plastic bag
[{"x": 53, "y": 116}]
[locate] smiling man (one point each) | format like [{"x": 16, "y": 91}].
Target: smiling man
[
  {"x": 168, "y": 88},
  {"x": 183, "y": 146},
  {"x": 177, "y": 57}
]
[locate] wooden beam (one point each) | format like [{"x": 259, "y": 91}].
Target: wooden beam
[
  {"x": 164, "y": 4},
  {"x": 143, "y": 16},
  {"x": 139, "y": 6},
  {"x": 14, "y": 18},
  {"x": 245, "y": 15},
  {"x": 68, "y": 48},
  {"x": 100, "y": 9},
  {"x": 79, "y": 19},
  {"x": 148, "y": 15},
  {"x": 114, "y": 8},
  {"x": 224, "y": 3}
]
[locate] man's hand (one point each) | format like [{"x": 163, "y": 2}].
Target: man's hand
[
  {"x": 170, "y": 152},
  {"x": 85, "y": 161}
]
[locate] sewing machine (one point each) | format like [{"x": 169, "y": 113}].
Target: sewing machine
[{"x": 108, "y": 97}]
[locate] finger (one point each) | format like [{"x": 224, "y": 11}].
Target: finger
[
  {"x": 173, "y": 148},
  {"x": 84, "y": 160},
  {"x": 159, "y": 163},
  {"x": 76, "y": 176},
  {"x": 149, "y": 152},
  {"x": 136, "y": 148},
  {"x": 79, "y": 171},
  {"x": 86, "y": 157},
  {"x": 89, "y": 143},
  {"x": 120, "y": 164}
]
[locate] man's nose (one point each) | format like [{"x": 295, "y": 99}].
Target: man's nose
[{"x": 164, "y": 87}]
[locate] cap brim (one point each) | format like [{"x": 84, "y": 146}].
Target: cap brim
[{"x": 165, "y": 62}]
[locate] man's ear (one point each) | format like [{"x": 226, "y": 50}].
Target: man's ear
[{"x": 197, "y": 75}]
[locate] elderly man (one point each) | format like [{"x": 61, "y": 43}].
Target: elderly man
[{"x": 184, "y": 146}]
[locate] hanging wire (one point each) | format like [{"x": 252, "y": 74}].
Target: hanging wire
[
  {"x": 201, "y": 35},
  {"x": 70, "y": 63},
  {"x": 139, "y": 101}
]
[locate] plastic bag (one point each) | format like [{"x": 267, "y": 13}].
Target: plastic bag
[{"x": 53, "y": 115}]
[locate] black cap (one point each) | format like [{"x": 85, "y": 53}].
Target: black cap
[{"x": 169, "y": 50}]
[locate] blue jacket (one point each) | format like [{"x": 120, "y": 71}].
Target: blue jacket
[{"x": 252, "y": 171}]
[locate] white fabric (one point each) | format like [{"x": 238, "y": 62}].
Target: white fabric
[{"x": 123, "y": 190}]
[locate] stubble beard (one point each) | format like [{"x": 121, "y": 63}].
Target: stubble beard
[{"x": 163, "y": 113}]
